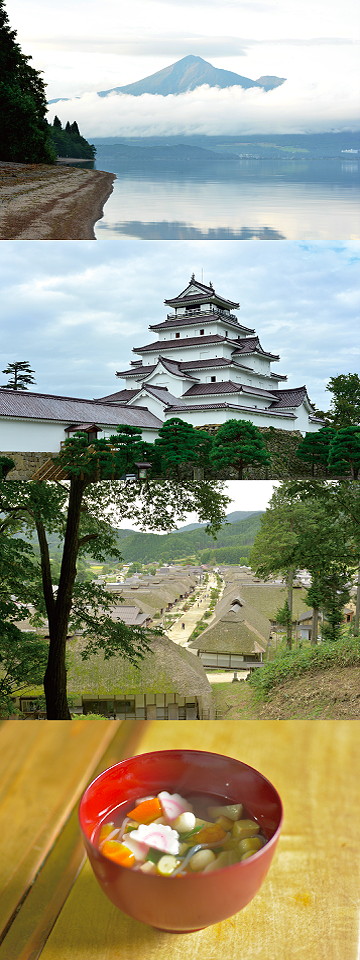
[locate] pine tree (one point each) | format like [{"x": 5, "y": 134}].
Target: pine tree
[
  {"x": 237, "y": 444},
  {"x": 314, "y": 448},
  {"x": 177, "y": 444},
  {"x": 21, "y": 375},
  {"x": 344, "y": 451},
  {"x": 24, "y": 130}
]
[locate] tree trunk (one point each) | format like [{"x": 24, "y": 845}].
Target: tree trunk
[
  {"x": 315, "y": 625},
  {"x": 357, "y": 611},
  {"x": 55, "y": 676},
  {"x": 289, "y": 585}
]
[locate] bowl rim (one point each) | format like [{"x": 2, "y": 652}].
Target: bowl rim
[{"x": 244, "y": 864}]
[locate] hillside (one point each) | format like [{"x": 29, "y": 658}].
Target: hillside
[
  {"x": 231, "y": 546},
  {"x": 331, "y": 694}
]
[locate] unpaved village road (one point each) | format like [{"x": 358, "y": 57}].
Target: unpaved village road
[{"x": 180, "y": 634}]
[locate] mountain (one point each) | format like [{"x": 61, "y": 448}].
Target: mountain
[
  {"x": 188, "y": 74},
  {"x": 233, "y": 517},
  {"x": 232, "y": 545}
]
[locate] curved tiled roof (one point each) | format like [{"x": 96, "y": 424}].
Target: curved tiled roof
[
  {"x": 186, "y": 342},
  {"x": 204, "y": 318},
  {"x": 227, "y": 386},
  {"x": 269, "y": 411},
  {"x": 253, "y": 345},
  {"x": 42, "y": 406},
  {"x": 292, "y": 397}
]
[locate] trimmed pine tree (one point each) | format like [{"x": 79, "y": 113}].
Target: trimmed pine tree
[{"x": 238, "y": 444}]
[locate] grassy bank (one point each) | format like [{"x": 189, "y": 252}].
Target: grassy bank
[{"x": 312, "y": 659}]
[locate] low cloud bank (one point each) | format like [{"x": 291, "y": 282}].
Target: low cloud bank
[{"x": 292, "y": 108}]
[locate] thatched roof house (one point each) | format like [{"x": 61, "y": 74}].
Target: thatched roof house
[
  {"x": 170, "y": 683},
  {"x": 238, "y": 636}
]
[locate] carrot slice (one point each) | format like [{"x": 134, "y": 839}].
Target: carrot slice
[
  {"x": 147, "y": 811},
  {"x": 118, "y": 852}
]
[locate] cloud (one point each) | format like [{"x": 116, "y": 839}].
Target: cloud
[{"x": 291, "y": 108}]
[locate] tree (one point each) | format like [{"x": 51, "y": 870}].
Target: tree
[
  {"x": 23, "y": 654},
  {"x": 178, "y": 443},
  {"x": 82, "y": 513},
  {"x": 24, "y": 130},
  {"x": 295, "y": 533},
  {"x": 237, "y": 444},
  {"x": 345, "y": 405},
  {"x": 344, "y": 451},
  {"x": 21, "y": 375},
  {"x": 314, "y": 448}
]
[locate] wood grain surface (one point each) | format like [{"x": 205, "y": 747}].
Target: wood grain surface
[{"x": 308, "y": 906}]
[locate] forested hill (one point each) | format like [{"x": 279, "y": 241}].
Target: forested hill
[{"x": 231, "y": 546}]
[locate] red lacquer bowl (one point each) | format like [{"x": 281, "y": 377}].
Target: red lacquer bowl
[{"x": 195, "y": 901}]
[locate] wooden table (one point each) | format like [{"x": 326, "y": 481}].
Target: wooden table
[{"x": 51, "y": 906}]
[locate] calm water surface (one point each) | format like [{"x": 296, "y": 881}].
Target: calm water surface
[{"x": 312, "y": 201}]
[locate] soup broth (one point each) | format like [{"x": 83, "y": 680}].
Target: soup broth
[{"x": 171, "y": 835}]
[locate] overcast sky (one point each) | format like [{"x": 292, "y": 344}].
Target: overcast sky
[
  {"x": 84, "y": 46},
  {"x": 244, "y": 494},
  {"x": 75, "y": 309}
]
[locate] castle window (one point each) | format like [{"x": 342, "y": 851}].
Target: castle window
[
  {"x": 177, "y": 334},
  {"x": 213, "y": 379},
  {"x": 202, "y": 333}
]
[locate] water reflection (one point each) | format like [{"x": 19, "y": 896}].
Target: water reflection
[{"x": 182, "y": 231}]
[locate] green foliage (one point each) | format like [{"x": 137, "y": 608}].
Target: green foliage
[
  {"x": 288, "y": 665},
  {"x": 68, "y": 142},
  {"x": 21, "y": 375},
  {"x": 344, "y": 453},
  {"x": 314, "y": 448},
  {"x": 24, "y": 130},
  {"x": 6, "y": 464},
  {"x": 345, "y": 404},
  {"x": 238, "y": 443},
  {"x": 179, "y": 446}
]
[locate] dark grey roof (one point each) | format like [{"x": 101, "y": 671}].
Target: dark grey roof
[
  {"x": 234, "y": 406},
  {"x": 174, "y": 367},
  {"x": 253, "y": 345},
  {"x": 205, "y": 293},
  {"x": 173, "y": 322},
  {"x": 291, "y": 398},
  {"x": 130, "y": 615},
  {"x": 226, "y": 386},
  {"x": 43, "y": 406},
  {"x": 122, "y": 396},
  {"x": 161, "y": 393},
  {"x": 185, "y": 342},
  {"x": 183, "y": 366}
]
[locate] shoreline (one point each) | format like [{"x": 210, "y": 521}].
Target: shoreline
[{"x": 51, "y": 202}]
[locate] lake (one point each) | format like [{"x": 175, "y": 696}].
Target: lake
[{"x": 297, "y": 200}]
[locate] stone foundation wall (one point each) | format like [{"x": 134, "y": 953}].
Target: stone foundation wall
[
  {"x": 282, "y": 446},
  {"x": 25, "y": 464}
]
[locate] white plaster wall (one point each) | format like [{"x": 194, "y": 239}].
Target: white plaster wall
[
  {"x": 184, "y": 352},
  {"x": 244, "y": 399},
  {"x": 37, "y": 436},
  {"x": 200, "y": 418},
  {"x": 31, "y": 436}
]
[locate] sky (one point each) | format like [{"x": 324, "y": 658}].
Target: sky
[
  {"x": 244, "y": 495},
  {"x": 84, "y": 47},
  {"x": 76, "y": 309}
]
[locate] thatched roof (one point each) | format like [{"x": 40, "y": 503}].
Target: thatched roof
[
  {"x": 168, "y": 668},
  {"x": 243, "y": 614}
]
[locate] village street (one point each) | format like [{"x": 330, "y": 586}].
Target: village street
[{"x": 187, "y": 620}]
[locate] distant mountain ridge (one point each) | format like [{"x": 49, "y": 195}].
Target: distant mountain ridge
[{"x": 187, "y": 74}]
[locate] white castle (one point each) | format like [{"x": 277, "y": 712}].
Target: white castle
[{"x": 206, "y": 368}]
